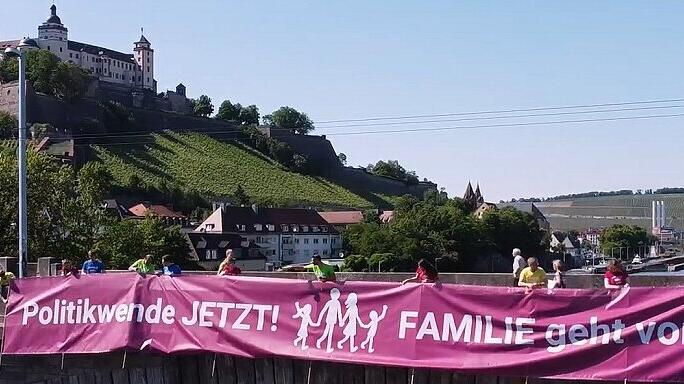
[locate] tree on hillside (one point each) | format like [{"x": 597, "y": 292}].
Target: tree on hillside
[
  {"x": 49, "y": 75},
  {"x": 236, "y": 112},
  {"x": 291, "y": 119},
  {"x": 69, "y": 82},
  {"x": 343, "y": 158},
  {"x": 9, "y": 69},
  {"x": 394, "y": 170},
  {"x": 202, "y": 106},
  {"x": 241, "y": 196},
  {"x": 8, "y": 125},
  {"x": 622, "y": 236}
]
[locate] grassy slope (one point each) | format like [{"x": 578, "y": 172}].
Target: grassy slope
[{"x": 216, "y": 168}]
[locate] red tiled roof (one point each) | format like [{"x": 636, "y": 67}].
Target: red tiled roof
[
  {"x": 342, "y": 217},
  {"x": 8, "y": 44},
  {"x": 142, "y": 210}
]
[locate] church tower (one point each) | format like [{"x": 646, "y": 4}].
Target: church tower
[
  {"x": 52, "y": 35},
  {"x": 144, "y": 58}
]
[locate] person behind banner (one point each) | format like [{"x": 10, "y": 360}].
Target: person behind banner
[
  {"x": 68, "y": 269},
  {"x": 559, "y": 276},
  {"x": 229, "y": 267},
  {"x": 93, "y": 264},
  {"x": 425, "y": 273},
  {"x": 143, "y": 266},
  {"x": 228, "y": 260},
  {"x": 169, "y": 268},
  {"x": 616, "y": 277},
  {"x": 324, "y": 272},
  {"x": 518, "y": 265},
  {"x": 532, "y": 276},
  {"x": 5, "y": 279}
]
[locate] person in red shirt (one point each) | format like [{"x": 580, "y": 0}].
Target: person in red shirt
[
  {"x": 425, "y": 273},
  {"x": 229, "y": 268},
  {"x": 68, "y": 269},
  {"x": 616, "y": 276}
]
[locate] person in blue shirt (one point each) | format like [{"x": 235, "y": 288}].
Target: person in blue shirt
[
  {"x": 169, "y": 267},
  {"x": 93, "y": 264}
]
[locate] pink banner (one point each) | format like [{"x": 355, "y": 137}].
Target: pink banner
[{"x": 633, "y": 334}]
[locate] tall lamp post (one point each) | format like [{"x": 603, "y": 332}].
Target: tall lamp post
[{"x": 23, "y": 217}]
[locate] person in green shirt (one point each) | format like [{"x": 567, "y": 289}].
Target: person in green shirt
[
  {"x": 324, "y": 272},
  {"x": 143, "y": 266}
]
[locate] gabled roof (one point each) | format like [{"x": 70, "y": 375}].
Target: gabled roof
[
  {"x": 142, "y": 210},
  {"x": 342, "y": 217},
  {"x": 8, "y": 44},
  {"x": 142, "y": 40},
  {"x": 528, "y": 207},
  {"x": 231, "y": 217},
  {"x": 95, "y": 50}
]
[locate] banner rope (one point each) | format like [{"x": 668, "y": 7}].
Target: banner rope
[
  {"x": 62, "y": 363},
  {"x": 213, "y": 366},
  {"x": 123, "y": 363},
  {"x": 413, "y": 374},
  {"x": 308, "y": 375}
]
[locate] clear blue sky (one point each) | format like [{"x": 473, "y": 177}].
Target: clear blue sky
[{"x": 355, "y": 59}]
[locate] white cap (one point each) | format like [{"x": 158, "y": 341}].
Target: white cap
[{"x": 517, "y": 252}]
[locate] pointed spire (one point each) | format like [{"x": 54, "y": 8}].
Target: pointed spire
[
  {"x": 478, "y": 194},
  {"x": 469, "y": 194}
]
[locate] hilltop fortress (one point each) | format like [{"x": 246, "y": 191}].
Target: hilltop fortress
[{"x": 135, "y": 70}]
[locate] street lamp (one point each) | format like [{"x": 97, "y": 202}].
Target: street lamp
[{"x": 23, "y": 225}]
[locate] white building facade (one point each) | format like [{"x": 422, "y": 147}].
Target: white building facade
[
  {"x": 283, "y": 235},
  {"x": 129, "y": 69}
]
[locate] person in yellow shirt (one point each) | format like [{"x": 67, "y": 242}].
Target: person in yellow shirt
[
  {"x": 5, "y": 279},
  {"x": 532, "y": 276}
]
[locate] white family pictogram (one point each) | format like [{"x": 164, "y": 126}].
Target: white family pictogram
[{"x": 332, "y": 315}]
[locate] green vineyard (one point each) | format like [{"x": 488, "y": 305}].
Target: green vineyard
[{"x": 215, "y": 168}]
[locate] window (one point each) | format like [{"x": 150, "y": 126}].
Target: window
[
  {"x": 148, "y": 60},
  {"x": 60, "y": 48},
  {"x": 49, "y": 48},
  {"x": 305, "y": 228},
  {"x": 315, "y": 240},
  {"x": 295, "y": 228},
  {"x": 270, "y": 227},
  {"x": 284, "y": 228},
  {"x": 296, "y": 240},
  {"x": 77, "y": 55},
  {"x": 60, "y": 39},
  {"x": 259, "y": 240},
  {"x": 211, "y": 254},
  {"x": 325, "y": 241},
  {"x": 325, "y": 252},
  {"x": 139, "y": 78},
  {"x": 306, "y": 240},
  {"x": 209, "y": 227},
  {"x": 258, "y": 227},
  {"x": 71, "y": 55},
  {"x": 287, "y": 240},
  {"x": 333, "y": 240},
  {"x": 324, "y": 229},
  {"x": 148, "y": 79},
  {"x": 148, "y": 68},
  {"x": 241, "y": 227},
  {"x": 109, "y": 61},
  {"x": 315, "y": 228},
  {"x": 116, "y": 75}
]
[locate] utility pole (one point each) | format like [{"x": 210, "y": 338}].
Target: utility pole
[{"x": 21, "y": 154}]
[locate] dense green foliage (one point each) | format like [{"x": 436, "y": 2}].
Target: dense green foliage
[
  {"x": 392, "y": 169},
  {"x": 215, "y": 169},
  {"x": 290, "y": 119},
  {"x": 202, "y": 106},
  {"x": 236, "y": 112},
  {"x": 49, "y": 75},
  {"x": 276, "y": 150},
  {"x": 622, "y": 236},
  {"x": 66, "y": 218},
  {"x": 8, "y": 125},
  {"x": 442, "y": 230}
]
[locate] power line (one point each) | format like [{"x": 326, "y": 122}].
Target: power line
[
  {"x": 502, "y": 117},
  {"x": 505, "y": 125},
  {"x": 501, "y": 111},
  {"x": 434, "y": 129},
  {"x": 144, "y": 134}
]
